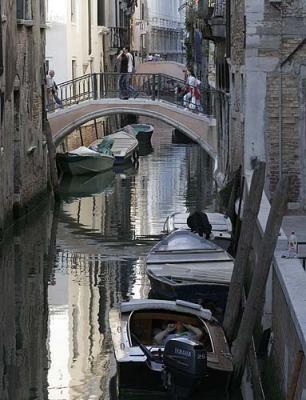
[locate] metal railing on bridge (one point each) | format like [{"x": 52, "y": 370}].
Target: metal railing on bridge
[{"x": 147, "y": 86}]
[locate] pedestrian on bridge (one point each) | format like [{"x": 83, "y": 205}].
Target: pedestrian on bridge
[
  {"x": 123, "y": 78},
  {"x": 191, "y": 100},
  {"x": 52, "y": 91},
  {"x": 131, "y": 91}
]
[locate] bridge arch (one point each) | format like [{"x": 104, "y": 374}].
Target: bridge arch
[{"x": 195, "y": 127}]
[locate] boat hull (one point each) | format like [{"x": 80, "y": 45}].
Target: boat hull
[
  {"x": 81, "y": 165},
  {"x": 139, "y": 378}
]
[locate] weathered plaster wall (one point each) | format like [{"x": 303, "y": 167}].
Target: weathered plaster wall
[
  {"x": 236, "y": 79},
  {"x": 23, "y": 155}
]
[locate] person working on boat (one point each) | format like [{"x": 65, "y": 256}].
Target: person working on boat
[{"x": 177, "y": 329}]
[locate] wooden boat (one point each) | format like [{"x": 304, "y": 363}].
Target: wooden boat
[
  {"x": 87, "y": 185},
  {"x": 182, "y": 365},
  {"x": 184, "y": 265},
  {"x": 125, "y": 146},
  {"x": 221, "y": 226},
  {"x": 84, "y": 161}
]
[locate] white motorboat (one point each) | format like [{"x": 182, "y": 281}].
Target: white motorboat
[
  {"x": 183, "y": 265},
  {"x": 84, "y": 161},
  {"x": 182, "y": 364}
]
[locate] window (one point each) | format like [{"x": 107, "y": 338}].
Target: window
[
  {"x": 73, "y": 10},
  {"x": 24, "y": 9},
  {"x": 74, "y": 69},
  {"x": 142, "y": 11},
  {"x": 101, "y": 12}
]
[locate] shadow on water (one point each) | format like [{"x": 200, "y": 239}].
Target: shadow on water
[
  {"x": 26, "y": 264},
  {"x": 61, "y": 276}
]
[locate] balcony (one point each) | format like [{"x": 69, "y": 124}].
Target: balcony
[
  {"x": 118, "y": 37},
  {"x": 213, "y": 18}
]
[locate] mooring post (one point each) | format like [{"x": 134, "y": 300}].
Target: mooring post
[
  {"x": 250, "y": 211},
  {"x": 242, "y": 343},
  {"x": 295, "y": 375},
  {"x": 52, "y": 157}
]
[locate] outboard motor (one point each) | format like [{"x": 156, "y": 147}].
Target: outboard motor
[{"x": 185, "y": 363}]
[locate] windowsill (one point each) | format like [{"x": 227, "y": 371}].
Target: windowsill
[{"x": 26, "y": 22}]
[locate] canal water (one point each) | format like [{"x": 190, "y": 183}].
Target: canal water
[{"x": 64, "y": 267}]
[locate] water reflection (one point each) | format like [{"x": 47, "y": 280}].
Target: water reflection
[
  {"x": 24, "y": 271},
  {"x": 102, "y": 241}
]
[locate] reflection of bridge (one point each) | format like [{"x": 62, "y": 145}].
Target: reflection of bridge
[{"x": 94, "y": 96}]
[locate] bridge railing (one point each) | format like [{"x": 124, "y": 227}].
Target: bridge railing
[{"x": 147, "y": 86}]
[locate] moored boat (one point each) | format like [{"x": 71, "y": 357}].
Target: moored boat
[
  {"x": 84, "y": 161},
  {"x": 125, "y": 146},
  {"x": 144, "y": 132},
  {"x": 221, "y": 226},
  {"x": 182, "y": 364},
  {"x": 184, "y": 265}
]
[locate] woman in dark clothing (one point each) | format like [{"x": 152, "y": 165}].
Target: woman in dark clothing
[{"x": 123, "y": 79}]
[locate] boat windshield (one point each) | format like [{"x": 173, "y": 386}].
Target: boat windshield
[{"x": 184, "y": 240}]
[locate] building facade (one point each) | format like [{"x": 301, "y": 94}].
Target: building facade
[
  {"x": 159, "y": 29},
  {"x": 23, "y": 152},
  {"x": 260, "y": 67},
  {"x": 74, "y": 41},
  {"x": 84, "y": 36}
]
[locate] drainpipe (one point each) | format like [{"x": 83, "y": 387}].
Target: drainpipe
[{"x": 280, "y": 111}]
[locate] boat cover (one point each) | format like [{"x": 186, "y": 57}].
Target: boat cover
[
  {"x": 84, "y": 151},
  {"x": 178, "y": 305}
]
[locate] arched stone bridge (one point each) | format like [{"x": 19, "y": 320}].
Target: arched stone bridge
[{"x": 198, "y": 127}]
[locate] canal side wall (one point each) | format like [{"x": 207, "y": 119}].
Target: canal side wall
[
  {"x": 23, "y": 150},
  {"x": 284, "y": 309}
]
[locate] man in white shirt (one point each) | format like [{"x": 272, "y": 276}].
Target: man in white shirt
[{"x": 132, "y": 91}]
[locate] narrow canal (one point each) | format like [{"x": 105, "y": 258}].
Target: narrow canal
[{"x": 64, "y": 270}]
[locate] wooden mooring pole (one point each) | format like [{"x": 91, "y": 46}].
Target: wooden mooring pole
[
  {"x": 52, "y": 158},
  {"x": 242, "y": 343},
  {"x": 251, "y": 208},
  {"x": 295, "y": 375}
]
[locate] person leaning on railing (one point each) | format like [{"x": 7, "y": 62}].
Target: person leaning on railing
[
  {"x": 52, "y": 91},
  {"x": 192, "y": 98}
]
